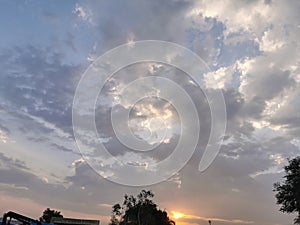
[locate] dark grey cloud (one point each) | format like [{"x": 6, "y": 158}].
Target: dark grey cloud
[
  {"x": 62, "y": 148},
  {"x": 12, "y": 163},
  {"x": 90, "y": 191},
  {"x": 4, "y": 128},
  {"x": 122, "y": 78},
  {"x": 261, "y": 88}
]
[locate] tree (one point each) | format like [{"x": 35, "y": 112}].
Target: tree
[
  {"x": 48, "y": 214},
  {"x": 140, "y": 210},
  {"x": 288, "y": 192}
]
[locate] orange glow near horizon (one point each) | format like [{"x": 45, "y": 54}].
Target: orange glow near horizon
[{"x": 177, "y": 215}]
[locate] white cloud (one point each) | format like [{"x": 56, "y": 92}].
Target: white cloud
[
  {"x": 3, "y": 137},
  {"x": 246, "y": 19},
  {"x": 219, "y": 78},
  {"x": 270, "y": 42},
  {"x": 256, "y": 76},
  {"x": 78, "y": 161},
  {"x": 83, "y": 13}
]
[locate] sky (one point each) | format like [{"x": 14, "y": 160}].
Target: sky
[{"x": 149, "y": 124}]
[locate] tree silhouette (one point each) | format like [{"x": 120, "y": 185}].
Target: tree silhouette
[
  {"x": 288, "y": 193},
  {"x": 140, "y": 210},
  {"x": 48, "y": 214}
]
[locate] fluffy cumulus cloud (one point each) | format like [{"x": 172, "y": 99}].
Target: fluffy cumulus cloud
[{"x": 251, "y": 55}]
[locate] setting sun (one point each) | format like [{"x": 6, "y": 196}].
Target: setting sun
[{"x": 177, "y": 215}]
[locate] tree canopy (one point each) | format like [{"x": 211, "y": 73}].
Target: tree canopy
[
  {"x": 288, "y": 192},
  {"x": 48, "y": 214},
  {"x": 139, "y": 210}
]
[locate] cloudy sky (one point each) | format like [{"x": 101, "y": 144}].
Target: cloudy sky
[{"x": 250, "y": 58}]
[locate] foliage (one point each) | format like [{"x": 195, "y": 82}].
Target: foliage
[
  {"x": 288, "y": 193},
  {"x": 140, "y": 210},
  {"x": 48, "y": 214}
]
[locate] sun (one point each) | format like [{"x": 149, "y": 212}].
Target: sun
[{"x": 177, "y": 215}]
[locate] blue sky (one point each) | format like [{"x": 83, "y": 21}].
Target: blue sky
[{"x": 252, "y": 50}]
